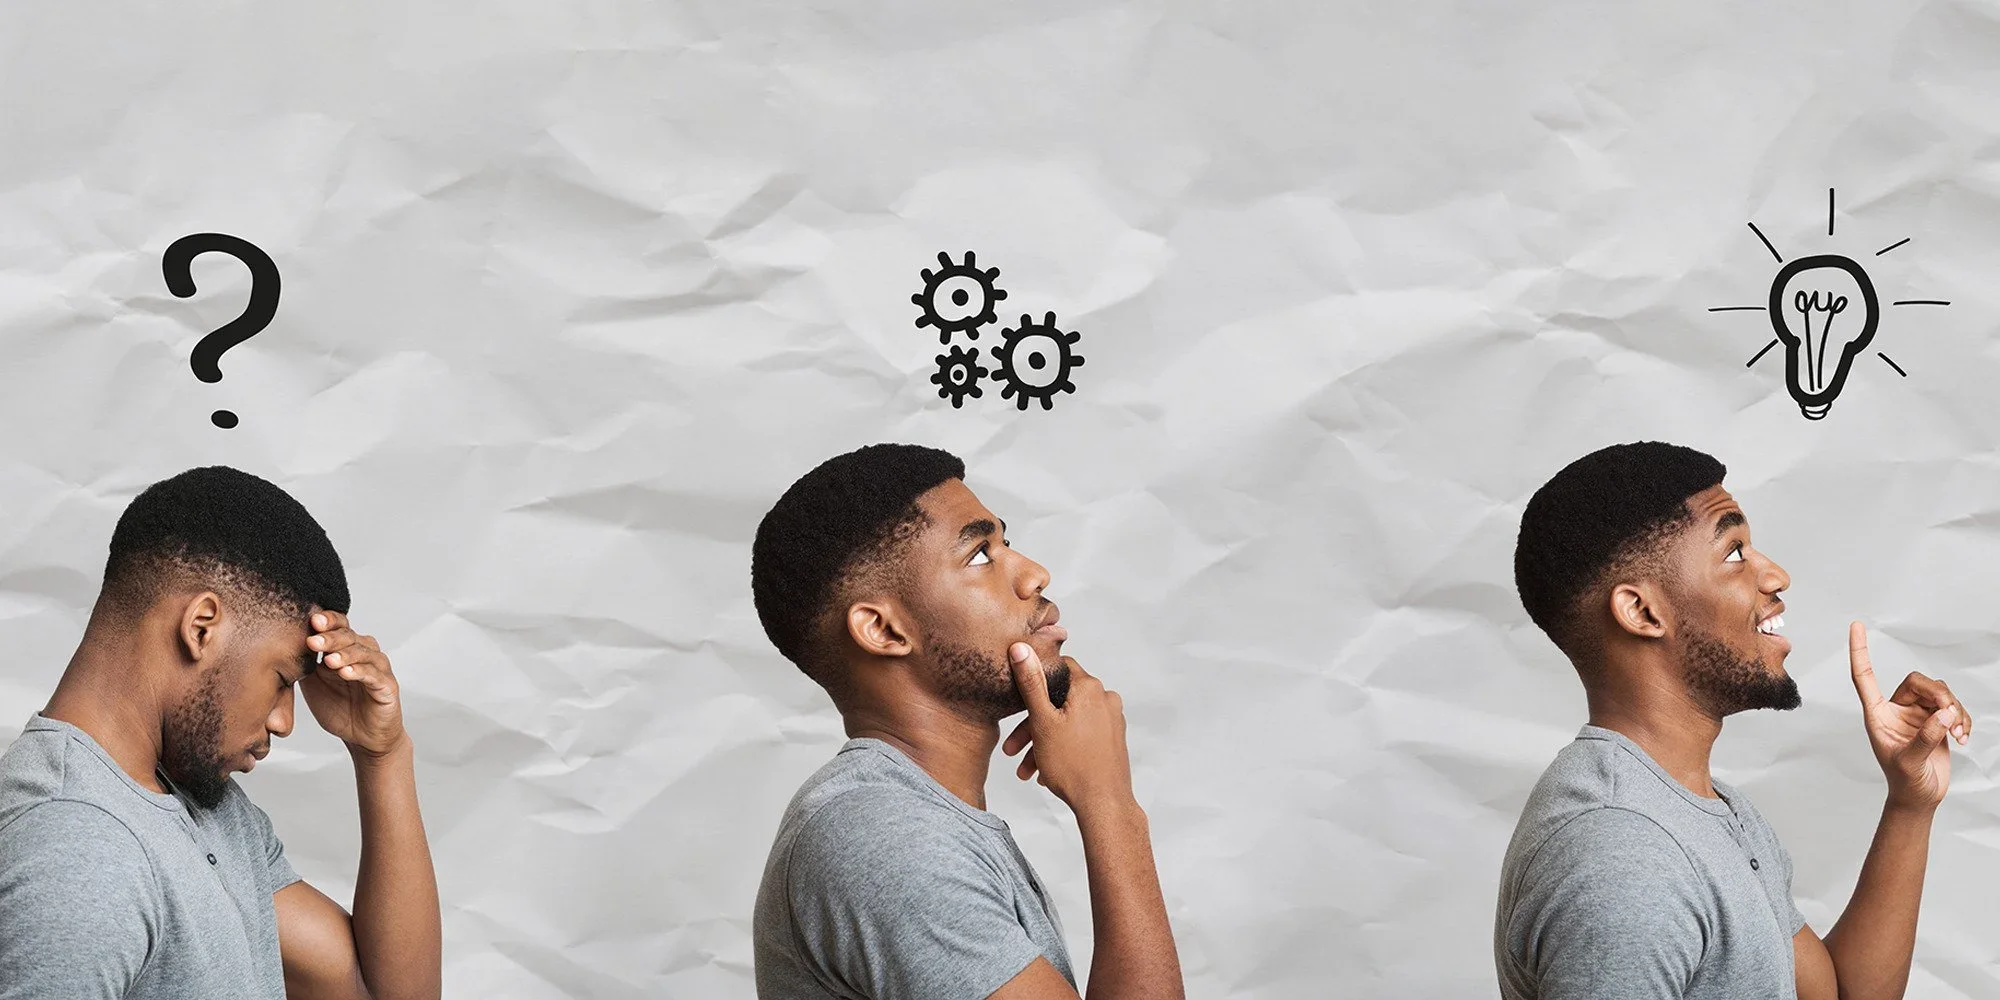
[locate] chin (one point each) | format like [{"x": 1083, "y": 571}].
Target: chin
[{"x": 1050, "y": 650}]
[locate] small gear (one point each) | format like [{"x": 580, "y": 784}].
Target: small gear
[
  {"x": 1036, "y": 361},
  {"x": 958, "y": 298},
  {"x": 958, "y": 375}
]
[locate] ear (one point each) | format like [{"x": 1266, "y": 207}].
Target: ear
[
  {"x": 199, "y": 626},
  {"x": 878, "y": 628},
  {"x": 1638, "y": 611}
]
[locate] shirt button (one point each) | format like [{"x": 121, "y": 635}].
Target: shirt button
[
  {"x": 211, "y": 860},
  {"x": 1753, "y": 862}
]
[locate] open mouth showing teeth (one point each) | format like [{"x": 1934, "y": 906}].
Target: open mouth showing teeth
[{"x": 1771, "y": 625}]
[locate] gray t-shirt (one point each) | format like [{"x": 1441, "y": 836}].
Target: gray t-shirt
[
  {"x": 1622, "y": 884},
  {"x": 883, "y": 885},
  {"x": 111, "y": 891}
]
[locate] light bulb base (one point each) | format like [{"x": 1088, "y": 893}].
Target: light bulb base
[{"x": 1815, "y": 412}]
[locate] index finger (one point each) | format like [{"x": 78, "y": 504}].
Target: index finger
[
  {"x": 1862, "y": 667},
  {"x": 324, "y": 620}
]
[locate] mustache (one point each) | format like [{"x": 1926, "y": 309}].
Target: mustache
[{"x": 1041, "y": 611}]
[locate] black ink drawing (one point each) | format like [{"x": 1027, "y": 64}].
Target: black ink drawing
[
  {"x": 1036, "y": 360},
  {"x": 1825, "y": 312},
  {"x": 178, "y": 266},
  {"x": 958, "y": 298},
  {"x": 958, "y": 375}
]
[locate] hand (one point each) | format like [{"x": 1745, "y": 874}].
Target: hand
[
  {"x": 1078, "y": 750},
  {"x": 1911, "y": 730},
  {"x": 353, "y": 693}
]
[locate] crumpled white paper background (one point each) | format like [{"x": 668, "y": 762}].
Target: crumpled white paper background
[{"x": 571, "y": 292}]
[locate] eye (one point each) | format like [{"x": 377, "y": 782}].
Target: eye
[
  {"x": 980, "y": 558},
  {"x": 1735, "y": 554}
]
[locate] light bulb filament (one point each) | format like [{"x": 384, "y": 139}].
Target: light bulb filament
[{"x": 1807, "y": 304}]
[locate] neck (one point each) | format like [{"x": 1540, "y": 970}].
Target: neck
[
  {"x": 106, "y": 692},
  {"x": 1660, "y": 717},
  {"x": 953, "y": 749}
]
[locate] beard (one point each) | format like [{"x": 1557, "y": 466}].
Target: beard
[
  {"x": 191, "y": 755},
  {"x": 1724, "y": 682},
  {"x": 985, "y": 683}
]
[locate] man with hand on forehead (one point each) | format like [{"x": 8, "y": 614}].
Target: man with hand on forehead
[
  {"x": 1633, "y": 874},
  {"x": 131, "y": 864},
  {"x": 886, "y": 580}
]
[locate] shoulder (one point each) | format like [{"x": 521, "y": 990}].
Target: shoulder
[
  {"x": 864, "y": 815},
  {"x": 67, "y": 847},
  {"x": 45, "y": 764},
  {"x": 880, "y": 817},
  {"x": 1615, "y": 836}
]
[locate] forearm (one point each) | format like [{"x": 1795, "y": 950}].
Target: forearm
[
  {"x": 398, "y": 934},
  {"x": 1134, "y": 955},
  {"x": 1872, "y": 943}
]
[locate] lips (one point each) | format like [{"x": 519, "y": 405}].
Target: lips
[
  {"x": 1768, "y": 627},
  {"x": 1771, "y": 623},
  {"x": 1048, "y": 627}
]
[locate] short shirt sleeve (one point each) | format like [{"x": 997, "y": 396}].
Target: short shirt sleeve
[
  {"x": 893, "y": 897},
  {"x": 1610, "y": 907},
  {"x": 79, "y": 905}
]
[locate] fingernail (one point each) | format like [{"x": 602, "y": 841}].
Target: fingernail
[
  {"x": 1019, "y": 651},
  {"x": 319, "y": 621}
]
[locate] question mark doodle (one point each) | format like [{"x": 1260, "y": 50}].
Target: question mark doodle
[{"x": 178, "y": 266}]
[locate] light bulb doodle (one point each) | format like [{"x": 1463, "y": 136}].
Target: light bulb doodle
[
  {"x": 1824, "y": 310},
  {"x": 1810, "y": 290}
]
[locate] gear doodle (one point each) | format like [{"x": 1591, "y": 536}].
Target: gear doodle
[
  {"x": 958, "y": 375},
  {"x": 1036, "y": 361},
  {"x": 958, "y": 298}
]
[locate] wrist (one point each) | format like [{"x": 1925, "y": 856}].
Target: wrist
[
  {"x": 1908, "y": 809},
  {"x": 1109, "y": 809},
  {"x": 398, "y": 751}
]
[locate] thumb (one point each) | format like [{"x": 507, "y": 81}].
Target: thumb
[
  {"x": 1937, "y": 729},
  {"x": 1029, "y": 679}
]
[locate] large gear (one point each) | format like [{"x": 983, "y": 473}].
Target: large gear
[
  {"x": 958, "y": 298},
  {"x": 958, "y": 375},
  {"x": 1036, "y": 361}
]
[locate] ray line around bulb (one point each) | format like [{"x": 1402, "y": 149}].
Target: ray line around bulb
[
  {"x": 1767, "y": 242},
  {"x": 1760, "y": 354},
  {"x": 1892, "y": 246},
  {"x": 1921, "y": 302},
  {"x": 1892, "y": 364},
  {"x": 1731, "y": 309},
  {"x": 1829, "y": 211}
]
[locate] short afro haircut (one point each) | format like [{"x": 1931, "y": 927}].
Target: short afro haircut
[
  {"x": 1608, "y": 512},
  {"x": 843, "y": 521},
  {"x": 216, "y": 528}
]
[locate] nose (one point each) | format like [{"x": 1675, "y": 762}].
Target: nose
[
  {"x": 1030, "y": 578},
  {"x": 1775, "y": 579},
  {"x": 279, "y": 723}
]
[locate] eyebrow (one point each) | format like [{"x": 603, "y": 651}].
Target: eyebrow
[
  {"x": 1733, "y": 519},
  {"x": 980, "y": 528}
]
